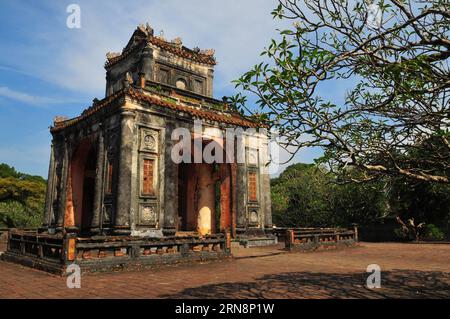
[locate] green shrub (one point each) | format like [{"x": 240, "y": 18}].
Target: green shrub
[
  {"x": 15, "y": 214},
  {"x": 433, "y": 233}
]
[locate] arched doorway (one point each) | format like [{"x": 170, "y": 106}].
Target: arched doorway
[
  {"x": 204, "y": 197},
  {"x": 81, "y": 187}
]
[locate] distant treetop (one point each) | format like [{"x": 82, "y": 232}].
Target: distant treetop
[{"x": 10, "y": 171}]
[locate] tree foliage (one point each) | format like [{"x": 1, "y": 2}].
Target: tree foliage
[
  {"x": 305, "y": 196},
  {"x": 397, "y": 55},
  {"x": 22, "y": 198},
  {"x": 425, "y": 202}
]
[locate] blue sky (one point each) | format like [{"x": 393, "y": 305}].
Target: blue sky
[{"x": 47, "y": 69}]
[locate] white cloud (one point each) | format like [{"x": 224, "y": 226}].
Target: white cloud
[
  {"x": 29, "y": 99},
  {"x": 9, "y": 69}
]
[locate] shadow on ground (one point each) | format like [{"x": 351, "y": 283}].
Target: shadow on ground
[
  {"x": 394, "y": 284},
  {"x": 260, "y": 255}
]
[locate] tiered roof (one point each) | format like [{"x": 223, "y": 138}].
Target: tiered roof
[{"x": 196, "y": 106}]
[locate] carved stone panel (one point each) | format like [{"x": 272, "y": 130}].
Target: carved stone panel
[
  {"x": 252, "y": 157},
  {"x": 149, "y": 140},
  {"x": 198, "y": 86},
  {"x": 163, "y": 76},
  {"x": 252, "y": 186},
  {"x": 253, "y": 216},
  {"x": 148, "y": 214}
]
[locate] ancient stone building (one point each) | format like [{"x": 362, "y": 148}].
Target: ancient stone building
[{"x": 112, "y": 169}]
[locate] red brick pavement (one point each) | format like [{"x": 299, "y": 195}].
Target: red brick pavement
[{"x": 408, "y": 270}]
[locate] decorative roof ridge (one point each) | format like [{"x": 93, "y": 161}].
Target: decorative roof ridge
[
  {"x": 188, "y": 101},
  {"x": 145, "y": 35},
  {"x": 158, "y": 99},
  {"x": 114, "y": 58},
  {"x": 96, "y": 106},
  {"x": 230, "y": 118},
  {"x": 206, "y": 56}
]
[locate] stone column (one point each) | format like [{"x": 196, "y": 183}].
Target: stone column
[
  {"x": 267, "y": 203},
  {"x": 241, "y": 183},
  {"x": 63, "y": 187},
  {"x": 98, "y": 196},
  {"x": 233, "y": 192},
  {"x": 49, "y": 196},
  {"x": 124, "y": 180},
  {"x": 265, "y": 186},
  {"x": 241, "y": 189},
  {"x": 170, "y": 186}
]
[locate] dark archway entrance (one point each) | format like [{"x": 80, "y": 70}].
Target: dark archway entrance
[
  {"x": 81, "y": 188},
  {"x": 88, "y": 191}
]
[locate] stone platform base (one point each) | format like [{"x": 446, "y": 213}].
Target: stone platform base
[
  {"x": 54, "y": 253},
  {"x": 310, "y": 239},
  {"x": 116, "y": 264},
  {"x": 51, "y": 266}
]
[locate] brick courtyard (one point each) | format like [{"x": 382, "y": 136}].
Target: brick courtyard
[{"x": 408, "y": 271}]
